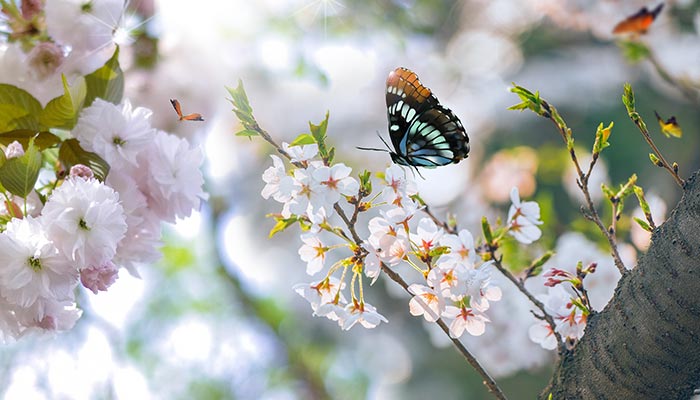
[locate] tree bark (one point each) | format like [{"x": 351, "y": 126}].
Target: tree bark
[{"x": 645, "y": 344}]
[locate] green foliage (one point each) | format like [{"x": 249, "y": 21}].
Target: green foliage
[
  {"x": 18, "y": 175},
  {"x": 243, "y": 110},
  {"x": 628, "y": 101},
  {"x": 655, "y": 160},
  {"x": 71, "y": 153},
  {"x": 176, "y": 258},
  {"x": 62, "y": 112},
  {"x": 642, "y": 223},
  {"x": 42, "y": 140},
  {"x": 365, "y": 182},
  {"x": 318, "y": 132},
  {"x": 18, "y": 109},
  {"x": 486, "y": 229},
  {"x": 536, "y": 267},
  {"x": 106, "y": 83},
  {"x": 634, "y": 51},
  {"x": 303, "y": 139},
  {"x": 601, "y": 138},
  {"x": 282, "y": 224}
]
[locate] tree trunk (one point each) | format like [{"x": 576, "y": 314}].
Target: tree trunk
[{"x": 645, "y": 344}]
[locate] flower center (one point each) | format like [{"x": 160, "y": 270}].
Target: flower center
[
  {"x": 118, "y": 141},
  {"x": 34, "y": 263},
  {"x": 86, "y": 7},
  {"x": 83, "y": 225}
]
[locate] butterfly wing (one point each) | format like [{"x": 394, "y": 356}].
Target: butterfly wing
[
  {"x": 423, "y": 132},
  {"x": 638, "y": 23}
]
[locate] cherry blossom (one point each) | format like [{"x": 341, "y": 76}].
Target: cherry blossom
[
  {"x": 363, "y": 313},
  {"x": 427, "y": 302},
  {"x": 313, "y": 252},
  {"x": 465, "y": 319}
]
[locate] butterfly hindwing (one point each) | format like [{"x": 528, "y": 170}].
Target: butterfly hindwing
[{"x": 423, "y": 132}]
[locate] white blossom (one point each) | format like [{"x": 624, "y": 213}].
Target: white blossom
[
  {"x": 85, "y": 220},
  {"x": 32, "y": 266},
  {"x": 174, "y": 178},
  {"x": 363, "y": 313},
  {"x": 117, "y": 133},
  {"x": 465, "y": 319},
  {"x": 426, "y": 302}
]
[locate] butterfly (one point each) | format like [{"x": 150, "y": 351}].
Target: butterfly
[
  {"x": 423, "y": 132},
  {"x": 669, "y": 127},
  {"x": 188, "y": 117},
  {"x": 638, "y": 23}
]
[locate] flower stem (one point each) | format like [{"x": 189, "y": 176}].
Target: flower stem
[{"x": 521, "y": 286}]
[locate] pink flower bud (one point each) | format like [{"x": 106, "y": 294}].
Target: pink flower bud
[
  {"x": 99, "y": 277},
  {"x": 30, "y": 8},
  {"x": 45, "y": 59},
  {"x": 81, "y": 171}
]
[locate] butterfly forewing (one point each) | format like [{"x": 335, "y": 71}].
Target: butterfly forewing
[{"x": 423, "y": 132}]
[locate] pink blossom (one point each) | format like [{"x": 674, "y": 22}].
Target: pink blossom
[{"x": 99, "y": 277}]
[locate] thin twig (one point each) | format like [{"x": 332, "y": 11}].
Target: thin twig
[
  {"x": 664, "y": 163},
  {"x": 439, "y": 222},
  {"x": 592, "y": 212},
  {"x": 688, "y": 92},
  {"x": 521, "y": 286}
]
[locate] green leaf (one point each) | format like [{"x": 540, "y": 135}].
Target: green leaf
[
  {"x": 639, "y": 192},
  {"x": 365, "y": 182},
  {"x": 62, "y": 112},
  {"x": 106, "y": 83},
  {"x": 643, "y": 224},
  {"x": 247, "y": 133},
  {"x": 18, "y": 175},
  {"x": 536, "y": 266},
  {"x": 655, "y": 160},
  {"x": 486, "y": 228},
  {"x": 628, "y": 98},
  {"x": 42, "y": 140},
  {"x": 282, "y": 224},
  {"x": 18, "y": 109},
  {"x": 318, "y": 132},
  {"x": 241, "y": 106},
  {"x": 601, "y": 137},
  {"x": 303, "y": 139},
  {"x": 627, "y": 188},
  {"x": 71, "y": 154}
]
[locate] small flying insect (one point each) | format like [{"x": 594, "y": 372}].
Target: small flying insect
[
  {"x": 639, "y": 23},
  {"x": 669, "y": 127},
  {"x": 188, "y": 117}
]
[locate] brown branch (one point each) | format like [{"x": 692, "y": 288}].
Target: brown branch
[
  {"x": 664, "y": 164},
  {"x": 521, "y": 286},
  {"x": 592, "y": 212}
]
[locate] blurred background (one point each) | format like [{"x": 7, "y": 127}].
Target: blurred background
[{"x": 217, "y": 317}]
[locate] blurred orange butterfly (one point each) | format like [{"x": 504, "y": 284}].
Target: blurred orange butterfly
[
  {"x": 188, "y": 117},
  {"x": 638, "y": 23}
]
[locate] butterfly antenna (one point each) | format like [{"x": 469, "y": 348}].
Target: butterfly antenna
[{"x": 375, "y": 149}]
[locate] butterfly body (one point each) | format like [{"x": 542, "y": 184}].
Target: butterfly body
[
  {"x": 423, "y": 132},
  {"x": 669, "y": 127},
  {"x": 188, "y": 117},
  {"x": 638, "y": 23}
]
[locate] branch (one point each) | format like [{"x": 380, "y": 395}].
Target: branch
[
  {"x": 592, "y": 213},
  {"x": 521, "y": 286}
]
